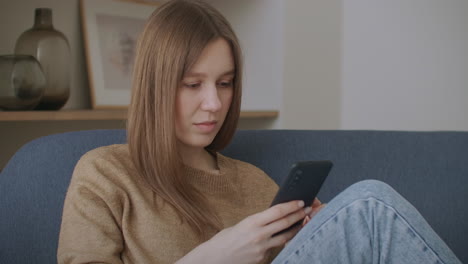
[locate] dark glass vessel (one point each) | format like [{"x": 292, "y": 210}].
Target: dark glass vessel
[
  {"x": 22, "y": 82},
  {"x": 50, "y": 47}
]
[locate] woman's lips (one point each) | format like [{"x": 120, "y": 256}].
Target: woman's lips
[{"x": 207, "y": 126}]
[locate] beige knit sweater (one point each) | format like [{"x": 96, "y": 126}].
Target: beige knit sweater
[{"x": 109, "y": 216}]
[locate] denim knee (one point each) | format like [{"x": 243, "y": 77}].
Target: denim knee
[{"x": 372, "y": 188}]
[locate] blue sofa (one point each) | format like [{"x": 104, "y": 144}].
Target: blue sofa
[{"x": 429, "y": 168}]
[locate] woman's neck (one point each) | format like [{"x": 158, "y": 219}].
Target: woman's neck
[{"x": 198, "y": 158}]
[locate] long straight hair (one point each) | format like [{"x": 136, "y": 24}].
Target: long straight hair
[{"x": 170, "y": 44}]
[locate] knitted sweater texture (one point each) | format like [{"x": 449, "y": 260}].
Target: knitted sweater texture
[{"x": 110, "y": 216}]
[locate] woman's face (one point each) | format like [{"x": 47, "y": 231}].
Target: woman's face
[{"x": 204, "y": 96}]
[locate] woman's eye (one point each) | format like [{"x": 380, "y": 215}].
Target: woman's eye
[
  {"x": 192, "y": 85},
  {"x": 225, "y": 84}
]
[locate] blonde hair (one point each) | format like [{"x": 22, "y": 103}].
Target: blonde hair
[{"x": 171, "y": 42}]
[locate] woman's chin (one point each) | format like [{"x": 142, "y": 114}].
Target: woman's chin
[{"x": 199, "y": 141}]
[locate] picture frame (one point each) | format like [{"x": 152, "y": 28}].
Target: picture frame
[{"x": 110, "y": 33}]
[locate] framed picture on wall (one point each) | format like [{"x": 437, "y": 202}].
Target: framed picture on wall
[{"x": 110, "y": 31}]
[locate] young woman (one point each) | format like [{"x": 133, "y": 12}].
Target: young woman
[{"x": 168, "y": 195}]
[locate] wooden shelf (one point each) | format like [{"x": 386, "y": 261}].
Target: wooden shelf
[{"x": 74, "y": 115}]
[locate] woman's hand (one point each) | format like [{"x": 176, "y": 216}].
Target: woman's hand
[
  {"x": 316, "y": 207},
  {"x": 250, "y": 240}
]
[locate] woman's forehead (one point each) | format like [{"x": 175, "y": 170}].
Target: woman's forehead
[{"x": 215, "y": 59}]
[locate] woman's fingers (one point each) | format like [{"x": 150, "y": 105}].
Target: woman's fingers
[
  {"x": 316, "y": 210},
  {"x": 286, "y": 221},
  {"x": 316, "y": 203},
  {"x": 283, "y": 238},
  {"x": 276, "y": 212},
  {"x": 313, "y": 212},
  {"x": 306, "y": 220}
]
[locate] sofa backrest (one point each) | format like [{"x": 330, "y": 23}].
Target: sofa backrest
[
  {"x": 429, "y": 168},
  {"x": 33, "y": 185}
]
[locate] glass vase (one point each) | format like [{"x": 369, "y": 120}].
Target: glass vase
[
  {"x": 22, "y": 82},
  {"x": 50, "y": 47}
]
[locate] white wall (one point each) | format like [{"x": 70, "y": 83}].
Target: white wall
[
  {"x": 312, "y": 70},
  {"x": 259, "y": 27},
  {"x": 405, "y": 65}
]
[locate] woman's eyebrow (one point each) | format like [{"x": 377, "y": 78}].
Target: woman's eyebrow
[
  {"x": 230, "y": 72},
  {"x": 200, "y": 74}
]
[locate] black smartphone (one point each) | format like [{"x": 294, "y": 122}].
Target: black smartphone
[{"x": 303, "y": 183}]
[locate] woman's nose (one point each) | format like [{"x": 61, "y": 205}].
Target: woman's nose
[{"x": 211, "y": 101}]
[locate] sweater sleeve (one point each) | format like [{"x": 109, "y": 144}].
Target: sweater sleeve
[{"x": 90, "y": 231}]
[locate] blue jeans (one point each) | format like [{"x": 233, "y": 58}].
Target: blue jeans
[{"x": 367, "y": 223}]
